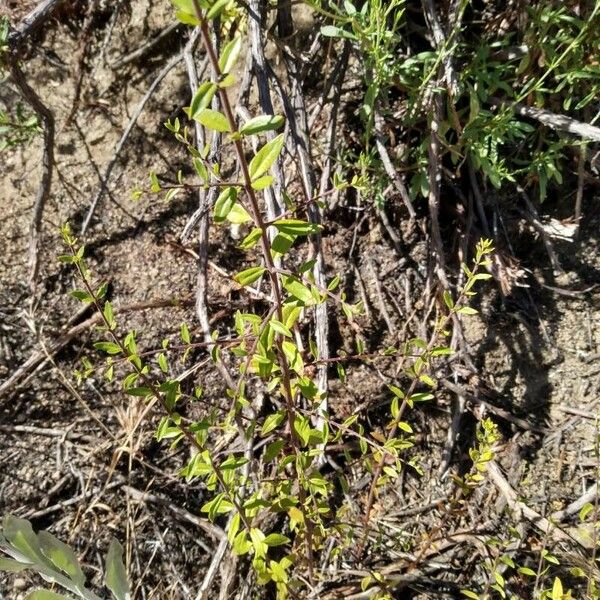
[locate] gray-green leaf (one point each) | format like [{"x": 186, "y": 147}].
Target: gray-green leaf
[
  {"x": 62, "y": 556},
  {"x": 116, "y": 577}
]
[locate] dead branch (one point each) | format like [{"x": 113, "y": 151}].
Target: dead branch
[
  {"x": 43, "y": 193},
  {"x": 552, "y": 120}
]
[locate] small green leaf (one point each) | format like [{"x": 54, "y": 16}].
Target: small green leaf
[
  {"x": 251, "y": 239},
  {"x": 280, "y": 328},
  {"x": 12, "y": 566},
  {"x": 466, "y": 310},
  {"x": 213, "y": 119},
  {"x": 238, "y": 215},
  {"x": 185, "y": 333},
  {"x": 273, "y": 421},
  {"x": 296, "y": 227},
  {"x": 202, "y": 98},
  {"x": 585, "y": 511},
  {"x": 262, "y": 182},
  {"x": 142, "y": 392},
  {"x": 82, "y": 296},
  {"x": 262, "y": 124},
  {"x": 333, "y": 31},
  {"x": 229, "y": 54},
  {"x": 265, "y": 157},
  {"x": 216, "y": 9},
  {"x": 115, "y": 575},
  {"x": 225, "y": 203},
  {"x": 249, "y": 276},
  {"x": 276, "y": 539},
  {"x": 297, "y": 289}
]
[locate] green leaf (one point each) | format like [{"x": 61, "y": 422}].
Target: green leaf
[
  {"x": 238, "y": 215},
  {"x": 333, "y": 31},
  {"x": 45, "y": 595},
  {"x": 449, "y": 302},
  {"x": 82, "y": 295},
  {"x": 265, "y": 157},
  {"x": 557, "y": 589},
  {"x": 282, "y": 243},
  {"x": 280, "y": 328},
  {"x": 272, "y": 450},
  {"x": 21, "y": 536},
  {"x": 527, "y": 571},
  {"x": 12, "y": 566},
  {"x": 585, "y": 511},
  {"x": 466, "y": 310},
  {"x": 213, "y": 119},
  {"x": 262, "y": 182},
  {"x": 229, "y": 54},
  {"x": 187, "y": 18},
  {"x": 216, "y": 9},
  {"x": 296, "y": 227},
  {"x": 297, "y": 289},
  {"x": 262, "y": 124},
  {"x": 249, "y": 276},
  {"x": 272, "y": 422},
  {"x": 224, "y": 203},
  {"x": 202, "y": 98},
  {"x": 139, "y": 391},
  {"x": 115, "y": 575},
  {"x": 109, "y": 315},
  {"x": 469, "y": 594},
  {"x": 276, "y": 539},
  {"x": 185, "y": 333},
  {"x": 219, "y": 505},
  {"x": 293, "y": 355},
  {"x": 251, "y": 239},
  {"x": 108, "y": 347},
  {"x": 61, "y": 556}
]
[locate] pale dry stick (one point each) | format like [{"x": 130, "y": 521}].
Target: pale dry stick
[
  {"x": 380, "y": 296},
  {"x": 212, "y": 570},
  {"x": 335, "y": 84},
  {"x": 574, "y": 508},
  {"x": 272, "y": 194},
  {"x": 521, "y": 509},
  {"x": 580, "y": 180},
  {"x": 537, "y": 224},
  {"x": 441, "y": 41},
  {"x": 124, "y": 137},
  {"x": 43, "y": 193},
  {"x": 205, "y": 199},
  {"x": 552, "y": 120},
  {"x": 389, "y": 167},
  {"x": 299, "y": 133}
]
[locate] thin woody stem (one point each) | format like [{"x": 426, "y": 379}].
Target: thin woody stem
[{"x": 260, "y": 223}]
